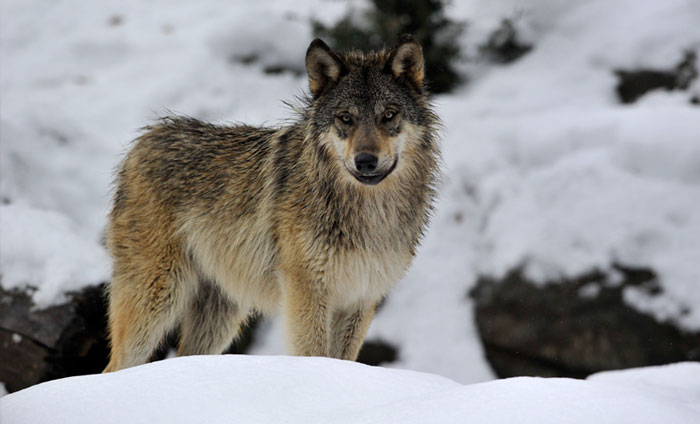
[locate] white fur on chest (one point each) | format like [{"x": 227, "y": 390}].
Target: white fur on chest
[
  {"x": 364, "y": 276},
  {"x": 367, "y": 273}
]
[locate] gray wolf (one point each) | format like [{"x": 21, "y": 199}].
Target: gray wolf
[{"x": 319, "y": 217}]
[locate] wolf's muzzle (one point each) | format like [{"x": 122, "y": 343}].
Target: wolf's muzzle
[{"x": 370, "y": 176}]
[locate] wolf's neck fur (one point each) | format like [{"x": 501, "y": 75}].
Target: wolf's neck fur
[{"x": 345, "y": 213}]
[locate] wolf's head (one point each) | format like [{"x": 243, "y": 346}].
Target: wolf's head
[{"x": 369, "y": 109}]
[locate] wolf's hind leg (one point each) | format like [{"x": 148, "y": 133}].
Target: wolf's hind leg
[
  {"x": 139, "y": 318},
  {"x": 211, "y": 323},
  {"x": 348, "y": 330}
]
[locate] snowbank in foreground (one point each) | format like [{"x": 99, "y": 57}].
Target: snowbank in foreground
[
  {"x": 235, "y": 388},
  {"x": 543, "y": 166}
]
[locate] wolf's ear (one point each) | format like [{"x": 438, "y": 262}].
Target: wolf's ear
[
  {"x": 324, "y": 67},
  {"x": 406, "y": 59}
]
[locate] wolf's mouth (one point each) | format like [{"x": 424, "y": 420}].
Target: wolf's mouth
[{"x": 374, "y": 178}]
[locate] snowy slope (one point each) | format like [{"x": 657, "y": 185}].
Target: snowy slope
[
  {"x": 543, "y": 166},
  {"x": 257, "y": 389},
  {"x": 561, "y": 177}
]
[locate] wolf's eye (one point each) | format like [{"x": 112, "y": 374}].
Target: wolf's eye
[
  {"x": 345, "y": 118},
  {"x": 389, "y": 115}
]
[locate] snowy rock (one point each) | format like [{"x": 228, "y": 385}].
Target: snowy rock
[
  {"x": 43, "y": 344},
  {"x": 376, "y": 352},
  {"x": 575, "y": 327},
  {"x": 634, "y": 84},
  {"x": 45, "y": 252},
  {"x": 70, "y": 338}
]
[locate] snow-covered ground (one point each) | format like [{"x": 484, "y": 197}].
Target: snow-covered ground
[
  {"x": 274, "y": 389},
  {"x": 563, "y": 179},
  {"x": 543, "y": 166}
]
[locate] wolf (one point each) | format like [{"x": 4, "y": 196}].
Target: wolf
[{"x": 319, "y": 217}]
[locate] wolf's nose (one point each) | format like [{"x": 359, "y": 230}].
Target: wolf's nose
[{"x": 366, "y": 162}]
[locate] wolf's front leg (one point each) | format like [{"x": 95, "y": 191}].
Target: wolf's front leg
[
  {"x": 349, "y": 329},
  {"x": 307, "y": 316}
]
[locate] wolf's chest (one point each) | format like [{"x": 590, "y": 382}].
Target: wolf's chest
[{"x": 367, "y": 274}]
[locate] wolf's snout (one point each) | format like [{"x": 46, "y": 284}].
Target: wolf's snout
[
  {"x": 367, "y": 170},
  {"x": 366, "y": 163}
]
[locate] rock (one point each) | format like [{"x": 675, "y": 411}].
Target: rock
[
  {"x": 573, "y": 328},
  {"x": 633, "y": 84},
  {"x": 63, "y": 340},
  {"x": 376, "y": 352}
]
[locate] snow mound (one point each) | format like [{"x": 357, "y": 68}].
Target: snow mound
[
  {"x": 232, "y": 388},
  {"x": 544, "y": 166}
]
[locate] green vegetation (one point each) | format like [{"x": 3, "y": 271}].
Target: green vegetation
[{"x": 386, "y": 20}]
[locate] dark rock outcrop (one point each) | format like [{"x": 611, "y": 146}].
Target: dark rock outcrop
[
  {"x": 575, "y": 327},
  {"x": 377, "y": 352},
  {"x": 59, "y": 341},
  {"x": 633, "y": 84},
  {"x": 64, "y": 340}
]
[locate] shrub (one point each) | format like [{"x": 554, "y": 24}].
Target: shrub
[{"x": 382, "y": 24}]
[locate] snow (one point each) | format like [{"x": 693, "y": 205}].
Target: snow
[
  {"x": 564, "y": 179},
  {"x": 544, "y": 168},
  {"x": 233, "y": 388},
  {"x": 43, "y": 249},
  {"x": 677, "y": 382}
]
